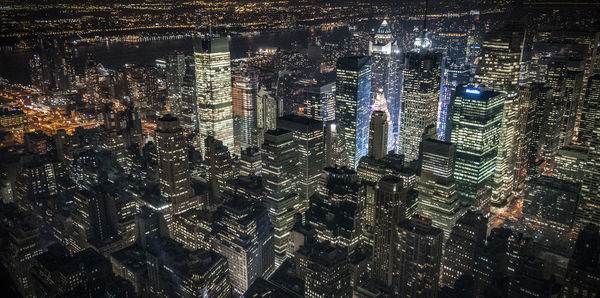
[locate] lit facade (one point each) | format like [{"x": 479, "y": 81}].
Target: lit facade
[
  {"x": 352, "y": 101},
  {"x": 214, "y": 109}
]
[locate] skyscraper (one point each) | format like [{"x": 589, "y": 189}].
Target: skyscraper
[
  {"x": 385, "y": 80},
  {"x": 459, "y": 253},
  {"x": 266, "y": 115},
  {"x": 213, "y": 91},
  {"x": 175, "y": 74},
  {"x": 477, "y": 120},
  {"x": 390, "y": 198},
  {"x": 352, "y": 101},
  {"x": 279, "y": 166},
  {"x": 437, "y": 189},
  {"x": 418, "y": 258},
  {"x": 420, "y": 93},
  {"x": 308, "y": 137},
  {"x": 498, "y": 70},
  {"x": 244, "y": 89},
  {"x": 320, "y": 102},
  {"x": 589, "y": 212},
  {"x": 242, "y": 234},
  {"x": 378, "y": 135},
  {"x": 173, "y": 164},
  {"x": 220, "y": 169},
  {"x": 453, "y": 75}
]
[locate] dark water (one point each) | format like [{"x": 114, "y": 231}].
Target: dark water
[{"x": 13, "y": 64}]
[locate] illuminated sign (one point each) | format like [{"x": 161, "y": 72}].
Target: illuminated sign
[{"x": 473, "y": 91}]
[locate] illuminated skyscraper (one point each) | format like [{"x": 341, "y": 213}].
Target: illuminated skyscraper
[
  {"x": 589, "y": 210},
  {"x": 213, "y": 91},
  {"x": 243, "y": 98},
  {"x": 437, "y": 189},
  {"x": 420, "y": 94},
  {"x": 452, "y": 76},
  {"x": 279, "y": 167},
  {"x": 385, "y": 79},
  {"x": 320, "y": 102},
  {"x": 242, "y": 234},
  {"x": 498, "y": 69},
  {"x": 173, "y": 164},
  {"x": 477, "y": 119},
  {"x": 308, "y": 137},
  {"x": 418, "y": 258},
  {"x": 175, "y": 74},
  {"x": 266, "y": 116},
  {"x": 390, "y": 198},
  {"x": 352, "y": 101}
]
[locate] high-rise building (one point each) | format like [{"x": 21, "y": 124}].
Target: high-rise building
[
  {"x": 250, "y": 162},
  {"x": 589, "y": 210},
  {"x": 173, "y": 164},
  {"x": 378, "y": 135},
  {"x": 418, "y": 258},
  {"x": 582, "y": 276},
  {"x": 385, "y": 91},
  {"x": 243, "y": 92},
  {"x": 326, "y": 270},
  {"x": 266, "y": 115},
  {"x": 242, "y": 233},
  {"x": 390, "y": 196},
  {"x": 213, "y": 91},
  {"x": 308, "y": 137},
  {"x": 437, "y": 189},
  {"x": 541, "y": 123},
  {"x": 320, "y": 102},
  {"x": 453, "y": 75},
  {"x": 459, "y": 251},
  {"x": 352, "y": 101},
  {"x": 550, "y": 203},
  {"x": 570, "y": 163},
  {"x": 175, "y": 73},
  {"x": 279, "y": 167},
  {"x": 477, "y": 120},
  {"x": 189, "y": 121},
  {"x": 420, "y": 94},
  {"x": 220, "y": 168},
  {"x": 498, "y": 70}
]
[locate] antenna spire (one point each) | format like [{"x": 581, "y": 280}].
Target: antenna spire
[{"x": 425, "y": 19}]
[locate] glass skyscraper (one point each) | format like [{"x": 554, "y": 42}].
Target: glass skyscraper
[
  {"x": 477, "y": 119},
  {"x": 352, "y": 101},
  {"x": 213, "y": 91}
]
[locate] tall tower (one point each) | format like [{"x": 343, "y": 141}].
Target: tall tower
[
  {"x": 244, "y": 89},
  {"x": 498, "y": 69},
  {"x": 437, "y": 189},
  {"x": 378, "y": 132},
  {"x": 176, "y": 69},
  {"x": 320, "y": 102},
  {"x": 308, "y": 137},
  {"x": 390, "y": 198},
  {"x": 352, "y": 101},
  {"x": 173, "y": 166},
  {"x": 385, "y": 79},
  {"x": 279, "y": 160},
  {"x": 477, "y": 120},
  {"x": 213, "y": 91},
  {"x": 418, "y": 259},
  {"x": 420, "y": 93},
  {"x": 589, "y": 210}
]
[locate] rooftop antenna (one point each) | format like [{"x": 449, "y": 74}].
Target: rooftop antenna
[{"x": 425, "y": 19}]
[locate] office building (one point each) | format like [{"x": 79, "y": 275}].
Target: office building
[
  {"x": 550, "y": 203},
  {"x": 242, "y": 233},
  {"x": 459, "y": 251},
  {"x": 279, "y": 166},
  {"x": 477, "y": 120},
  {"x": 325, "y": 269},
  {"x": 320, "y": 102},
  {"x": 266, "y": 115},
  {"x": 173, "y": 164},
  {"x": 418, "y": 258},
  {"x": 390, "y": 198},
  {"x": 453, "y": 75},
  {"x": 352, "y": 101},
  {"x": 437, "y": 189},
  {"x": 244, "y": 87},
  {"x": 308, "y": 137},
  {"x": 220, "y": 169},
  {"x": 378, "y": 135},
  {"x": 420, "y": 94},
  {"x": 175, "y": 73},
  {"x": 213, "y": 91}
]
